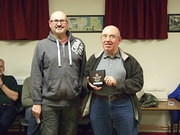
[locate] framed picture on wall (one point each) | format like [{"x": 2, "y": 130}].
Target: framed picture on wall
[
  {"x": 86, "y": 23},
  {"x": 174, "y": 22}
]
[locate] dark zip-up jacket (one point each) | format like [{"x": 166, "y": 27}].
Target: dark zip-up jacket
[{"x": 132, "y": 83}]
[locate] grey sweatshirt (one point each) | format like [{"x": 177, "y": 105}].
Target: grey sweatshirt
[{"x": 57, "y": 71}]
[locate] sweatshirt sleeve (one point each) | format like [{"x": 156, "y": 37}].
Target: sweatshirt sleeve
[
  {"x": 36, "y": 76},
  {"x": 82, "y": 70}
]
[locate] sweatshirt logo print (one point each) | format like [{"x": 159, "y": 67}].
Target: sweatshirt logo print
[{"x": 77, "y": 47}]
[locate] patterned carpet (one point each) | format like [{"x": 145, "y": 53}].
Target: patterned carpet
[
  {"x": 153, "y": 133},
  {"x": 89, "y": 132}
]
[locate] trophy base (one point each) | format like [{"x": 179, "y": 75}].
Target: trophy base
[{"x": 98, "y": 83}]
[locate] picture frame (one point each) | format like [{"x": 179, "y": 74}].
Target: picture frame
[
  {"x": 86, "y": 23},
  {"x": 173, "y": 22}
]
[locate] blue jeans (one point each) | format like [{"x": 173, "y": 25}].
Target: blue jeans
[
  {"x": 33, "y": 128},
  {"x": 106, "y": 116}
]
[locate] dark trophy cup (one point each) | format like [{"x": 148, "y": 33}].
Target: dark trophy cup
[{"x": 97, "y": 77}]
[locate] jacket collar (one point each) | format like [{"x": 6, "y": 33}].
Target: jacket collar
[{"x": 123, "y": 54}]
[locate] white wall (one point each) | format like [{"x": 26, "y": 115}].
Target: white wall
[
  {"x": 17, "y": 56},
  {"x": 159, "y": 58}
]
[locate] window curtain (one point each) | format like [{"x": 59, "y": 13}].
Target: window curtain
[
  {"x": 138, "y": 19},
  {"x": 24, "y": 19}
]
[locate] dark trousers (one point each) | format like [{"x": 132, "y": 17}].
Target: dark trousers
[
  {"x": 7, "y": 116},
  {"x": 59, "y": 121},
  {"x": 33, "y": 128}
]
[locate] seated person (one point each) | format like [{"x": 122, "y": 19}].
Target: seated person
[
  {"x": 8, "y": 99},
  {"x": 33, "y": 127}
]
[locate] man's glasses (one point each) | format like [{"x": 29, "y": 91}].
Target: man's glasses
[
  {"x": 105, "y": 36},
  {"x": 57, "y": 21}
]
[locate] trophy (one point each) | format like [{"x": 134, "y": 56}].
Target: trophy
[{"x": 97, "y": 77}]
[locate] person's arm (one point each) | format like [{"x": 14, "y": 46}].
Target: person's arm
[
  {"x": 26, "y": 95},
  {"x": 134, "y": 80},
  {"x": 82, "y": 72},
  {"x": 37, "y": 75},
  {"x": 36, "y": 81},
  {"x": 12, "y": 94},
  {"x": 88, "y": 68}
]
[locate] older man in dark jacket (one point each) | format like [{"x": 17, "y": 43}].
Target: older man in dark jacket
[{"x": 114, "y": 104}]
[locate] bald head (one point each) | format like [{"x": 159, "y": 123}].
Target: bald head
[
  {"x": 2, "y": 67},
  {"x": 112, "y": 28},
  {"x": 111, "y": 39},
  {"x": 57, "y": 14},
  {"x": 1, "y": 60},
  {"x": 58, "y": 24}
]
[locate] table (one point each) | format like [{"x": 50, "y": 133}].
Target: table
[
  {"x": 165, "y": 106},
  {"x": 170, "y": 105}
]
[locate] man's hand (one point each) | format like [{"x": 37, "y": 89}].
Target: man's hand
[
  {"x": 36, "y": 110},
  {"x": 110, "y": 81},
  {"x": 1, "y": 83},
  {"x": 93, "y": 86}
]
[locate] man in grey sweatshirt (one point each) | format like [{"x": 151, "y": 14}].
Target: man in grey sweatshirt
[{"x": 57, "y": 73}]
